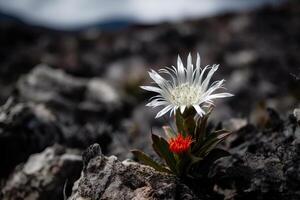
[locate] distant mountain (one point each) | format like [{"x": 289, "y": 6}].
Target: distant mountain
[{"x": 76, "y": 14}]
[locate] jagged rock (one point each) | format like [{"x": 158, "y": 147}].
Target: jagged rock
[
  {"x": 44, "y": 174},
  {"x": 265, "y": 162},
  {"x": 108, "y": 178},
  {"x": 234, "y": 124},
  {"x": 63, "y": 91},
  {"x": 53, "y": 107},
  {"x": 25, "y": 128},
  {"x": 297, "y": 114},
  {"x": 85, "y": 109}
]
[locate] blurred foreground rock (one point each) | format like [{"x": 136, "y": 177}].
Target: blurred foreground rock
[
  {"x": 44, "y": 174},
  {"x": 108, "y": 178}
]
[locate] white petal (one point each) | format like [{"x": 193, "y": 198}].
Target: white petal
[
  {"x": 199, "y": 110},
  {"x": 198, "y": 61},
  {"x": 180, "y": 69},
  {"x": 199, "y": 78},
  {"x": 157, "y": 97},
  {"x": 151, "y": 89},
  {"x": 157, "y": 78},
  {"x": 215, "y": 86},
  {"x": 182, "y": 108},
  {"x": 173, "y": 111},
  {"x": 196, "y": 73},
  {"x": 189, "y": 69},
  {"x": 208, "y": 77},
  {"x": 155, "y": 103},
  {"x": 160, "y": 81},
  {"x": 173, "y": 83},
  {"x": 216, "y": 96},
  {"x": 163, "y": 111},
  {"x": 220, "y": 95}
]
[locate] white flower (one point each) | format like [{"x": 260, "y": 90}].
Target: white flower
[{"x": 187, "y": 87}]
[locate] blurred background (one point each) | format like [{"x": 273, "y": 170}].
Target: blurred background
[{"x": 70, "y": 70}]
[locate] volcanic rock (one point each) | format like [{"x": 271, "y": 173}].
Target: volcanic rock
[
  {"x": 44, "y": 175},
  {"x": 108, "y": 178}
]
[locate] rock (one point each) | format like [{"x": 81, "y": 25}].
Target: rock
[
  {"x": 43, "y": 175},
  {"x": 258, "y": 59},
  {"x": 85, "y": 109},
  {"x": 100, "y": 91},
  {"x": 44, "y": 84},
  {"x": 62, "y": 91},
  {"x": 234, "y": 124},
  {"x": 297, "y": 114},
  {"x": 241, "y": 58},
  {"x": 25, "y": 128},
  {"x": 108, "y": 178},
  {"x": 265, "y": 162}
]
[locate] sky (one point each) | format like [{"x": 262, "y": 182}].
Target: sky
[{"x": 72, "y": 14}]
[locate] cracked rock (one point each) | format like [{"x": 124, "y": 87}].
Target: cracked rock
[
  {"x": 44, "y": 174},
  {"x": 108, "y": 178}
]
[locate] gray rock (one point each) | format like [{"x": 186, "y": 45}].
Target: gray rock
[
  {"x": 108, "y": 178},
  {"x": 234, "y": 124},
  {"x": 265, "y": 162},
  {"x": 55, "y": 87},
  {"x": 25, "y": 128},
  {"x": 43, "y": 175},
  {"x": 50, "y": 107},
  {"x": 44, "y": 84},
  {"x": 297, "y": 114}
]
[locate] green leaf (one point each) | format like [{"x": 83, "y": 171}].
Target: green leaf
[
  {"x": 211, "y": 142},
  {"x": 179, "y": 122},
  {"x": 202, "y": 167},
  {"x": 161, "y": 147},
  {"x": 196, "y": 159},
  {"x": 189, "y": 125},
  {"x": 145, "y": 159},
  {"x": 201, "y": 126},
  {"x": 212, "y": 156},
  {"x": 169, "y": 132},
  {"x": 183, "y": 164},
  {"x": 185, "y": 122}
]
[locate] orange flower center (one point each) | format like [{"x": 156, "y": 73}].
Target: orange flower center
[{"x": 180, "y": 144}]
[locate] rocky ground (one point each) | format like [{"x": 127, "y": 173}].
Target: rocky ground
[{"x": 64, "y": 93}]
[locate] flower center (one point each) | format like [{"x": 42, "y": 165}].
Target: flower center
[{"x": 185, "y": 94}]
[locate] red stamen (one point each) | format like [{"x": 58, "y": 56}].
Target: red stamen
[{"x": 180, "y": 144}]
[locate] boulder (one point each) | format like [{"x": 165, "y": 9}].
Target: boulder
[
  {"x": 108, "y": 178},
  {"x": 44, "y": 175}
]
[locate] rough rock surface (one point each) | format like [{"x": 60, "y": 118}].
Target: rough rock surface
[
  {"x": 25, "y": 128},
  {"x": 81, "y": 101},
  {"x": 265, "y": 163},
  {"x": 52, "y": 107},
  {"x": 44, "y": 175},
  {"x": 86, "y": 109},
  {"x": 108, "y": 178},
  {"x": 62, "y": 91}
]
